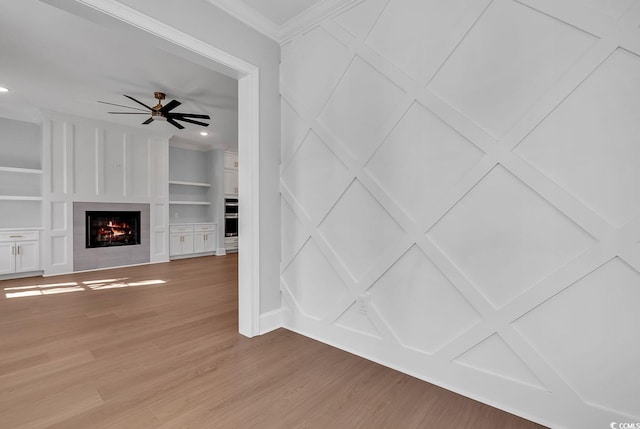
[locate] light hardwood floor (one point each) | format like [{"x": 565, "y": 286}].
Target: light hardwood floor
[{"x": 119, "y": 349}]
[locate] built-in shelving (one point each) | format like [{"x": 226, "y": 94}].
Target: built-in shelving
[
  {"x": 191, "y": 203},
  {"x": 21, "y": 175},
  {"x": 20, "y": 170},
  {"x": 192, "y": 190},
  {"x": 181, "y": 183},
  {"x": 19, "y": 198}
]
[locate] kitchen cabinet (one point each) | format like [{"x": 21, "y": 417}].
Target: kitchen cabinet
[
  {"x": 230, "y": 161},
  {"x": 230, "y": 174},
  {"x": 205, "y": 238},
  {"x": 231, "y": 182},
  {"x": 19, "y": 252},
  {"x": 180, "y": 240},
  {"x": 192, "y": 239}
]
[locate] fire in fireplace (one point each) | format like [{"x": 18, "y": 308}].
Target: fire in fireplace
[{"x": 112, "y": 228}]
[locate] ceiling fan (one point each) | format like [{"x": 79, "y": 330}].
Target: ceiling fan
[{"x": 162, "y": 113}]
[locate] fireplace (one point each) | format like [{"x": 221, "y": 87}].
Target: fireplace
[{"x": 112, "y": 228}]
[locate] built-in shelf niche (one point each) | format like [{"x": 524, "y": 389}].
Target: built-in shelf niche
[
  {"x": 191, "y": 186},
  {"x": 20, "y": 174}
]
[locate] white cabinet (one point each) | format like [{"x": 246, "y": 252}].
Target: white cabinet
[
  {"x": 7, "y": 258},
  {"x": 231, "y": 182},
  {"x": 19, "y": 252},
  {"x": 230, "y": 173},
  {"x": 230, "y": 161},
  {"x": 180, "y": 240},
  {"x": 192, "y": 239},
  {"x": 205, "y": 238}
]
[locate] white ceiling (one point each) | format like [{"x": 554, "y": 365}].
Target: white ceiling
[
  {"x": 53, "y": 60},
  {"x": 280, "y": 11}
]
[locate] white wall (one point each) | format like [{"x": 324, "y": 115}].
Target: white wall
[
  {"x": 92, "y": 161},
  {"x": 470, "y": 170},
  {"x": 206, "y": 22}
]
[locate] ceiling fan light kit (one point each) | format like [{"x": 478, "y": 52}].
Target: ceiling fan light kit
[{"x": 162, "y": 113}]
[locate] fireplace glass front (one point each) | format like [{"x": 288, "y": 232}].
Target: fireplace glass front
[{"x": 112, "y": 228}]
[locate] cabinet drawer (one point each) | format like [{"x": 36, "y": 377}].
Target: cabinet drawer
[
  {"x": 180, "y": 228},
  {"x": 204, "y": 228},
  {"x": 19, "y": 235}
]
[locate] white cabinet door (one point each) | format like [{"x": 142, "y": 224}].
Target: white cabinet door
[
  {"x": 210, "y": 239},
  {"x": 187, "y": 243},
  {"x": 230, "y": 161},
  {"x": 175, "y": 244},
  {"x": 7, "y": 258},
  {"x": 230, "y": 182},
  {"x": 27, "y": 256},
  {"x": 199, "y": 242}
]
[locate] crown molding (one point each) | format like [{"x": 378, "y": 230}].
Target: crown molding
[
  {"x": 249, "y": 16},
  {"x": 289, "y": 29}
]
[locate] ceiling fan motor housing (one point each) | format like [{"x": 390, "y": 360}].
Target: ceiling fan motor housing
[{"x": 159, "y": 96}]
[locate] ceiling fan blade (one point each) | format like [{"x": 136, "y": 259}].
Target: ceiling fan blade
[
  {"x": 170, "y": 106},
  {"x": 148, "y": 121},
  {"x": 191, "y": 115},
  {"x": 139, "y": 102},
  {"x": 129, "y": 113},
  {"x": 174, "y": 123},
  {"x": 120, "y": 105},
  {"x": 188, "y": 120}
]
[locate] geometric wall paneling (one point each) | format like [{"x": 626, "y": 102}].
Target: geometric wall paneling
[
  {"x": 495, "y": 357},
  {"x": 58, "y": 161},
  {"x": 312, "y": 282},
  {"x": 421, "y": 159},
  {"x": 315, "y": 176},
  {"x": 137, "y": 166},
  {"x": 424, "y": 310},
  {"x": 584, "y": 332},
  {"x": 357, "y": 20},
  {"x": 113, "y": 163},
  {"x": 612, "y": 8},
  {"x": 312, "y": 66},
  {"x": 506, "y": 238},
  {"x": 159, "y": 244},
  {"x": 293, "y": 233},
  {"x": 589, "y": 144},
  {"x": 355, "y": 114},
  {"x": 159, "y": 216},
  {"x": 58, "y": 220},
  {"x": 84, "y": 165},
  {"x": 292, "y": 131},
  {"x": 360, "y": 230},
  {"x": 464, "y": 209},
  {"x": 356, "y": 321},
  {"x": 58, "y": 252},
  {"x": 417, "y": 35},
  {"x": 509, "y": 45}
]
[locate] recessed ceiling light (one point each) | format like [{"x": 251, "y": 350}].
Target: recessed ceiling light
[
  {"x": 3, "y": 89},
  {"x": 204, "y": 133}
]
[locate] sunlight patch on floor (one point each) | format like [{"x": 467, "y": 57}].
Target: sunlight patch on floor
[{"x": 89, "y": 285}]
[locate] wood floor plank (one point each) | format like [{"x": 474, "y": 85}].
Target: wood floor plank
[{"x": 156, "y": 346}]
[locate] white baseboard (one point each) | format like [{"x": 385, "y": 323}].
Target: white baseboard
[
  {"x": 221, "y": 251},
  {"x": 271, "y": 321}
]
